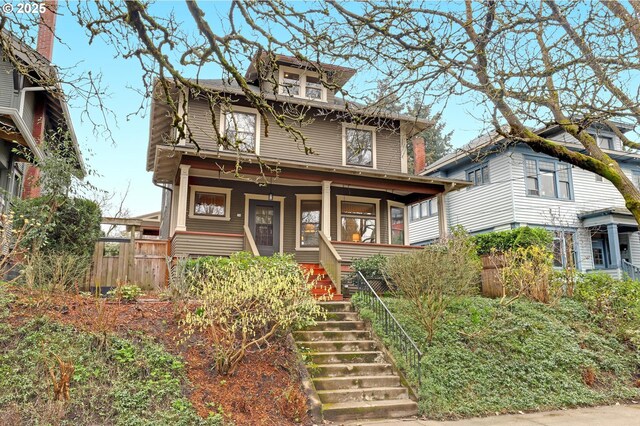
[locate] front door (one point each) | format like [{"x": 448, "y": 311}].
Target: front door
[
  {"x": 264, "y": 223},
  {"x": 599, "y": 255}
]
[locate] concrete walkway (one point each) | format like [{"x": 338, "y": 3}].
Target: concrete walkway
[{"x": 614, "y": 415}]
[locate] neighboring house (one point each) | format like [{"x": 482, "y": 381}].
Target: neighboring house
[
  {"x": 28, "y": 111},
  {"x": 515, "y": 186},
  {"x": 347, "y": 201},
  {"x": 149, "y": 227}
]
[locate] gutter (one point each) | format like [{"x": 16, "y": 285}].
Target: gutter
[{"x": 24, "y": 131}]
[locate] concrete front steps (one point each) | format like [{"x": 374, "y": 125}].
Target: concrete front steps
[
  {"x": 323, "y": 288},
  {"x": 351, "y": 375}
]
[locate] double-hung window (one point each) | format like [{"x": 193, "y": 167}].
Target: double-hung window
[
  {"x": 309, "y": 215},
  {"x": 359, "y": 146},
  {"x": 564, "y": 252},
  {"x": 302, "y": 84},
  {"x": 241, "y": 129},
  {"x": 424, "y": 209},
  {"x": 358, "y": 221},
  {"x": 397, "y": 223},
  {"x": 478, "y": 175},
  {"x": 548, "y": 178}
]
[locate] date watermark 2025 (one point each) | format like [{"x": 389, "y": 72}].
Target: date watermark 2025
[{"x": 19, "y": 8}]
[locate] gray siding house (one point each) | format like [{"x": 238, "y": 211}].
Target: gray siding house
[
  {"x": 346, "y": 201},
  {"x": 514, "y": 186}
]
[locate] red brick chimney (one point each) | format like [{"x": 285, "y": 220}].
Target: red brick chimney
[
  {"x": 44, "y": 47},
  {"x": 419, "y": 155}
]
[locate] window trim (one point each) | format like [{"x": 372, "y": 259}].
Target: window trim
[
  {"x": 372, "y": 129},
  {"x": 299, "y": 199},
  {"x": 396, "y": 204},
  {"x": 432, "y": 200},
  {"x": 211, "y": 190},
  {"x": 302, "y": 72},
  {"x": 341, "y": 198},
  {"x": 223, "y": 124},
  {"x": 556, "y": 181},
  {"x": 484, "y": 164}
]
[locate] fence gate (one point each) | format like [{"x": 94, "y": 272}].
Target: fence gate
[{"x": 128, "y": 260}]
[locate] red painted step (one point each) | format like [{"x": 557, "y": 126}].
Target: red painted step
[{"x": 323, "y": 287}]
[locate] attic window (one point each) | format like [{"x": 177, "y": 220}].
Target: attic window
[{"x": 301, "y": 84}]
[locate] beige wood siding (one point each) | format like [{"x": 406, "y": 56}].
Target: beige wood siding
[{"x": 323, "y": 133}]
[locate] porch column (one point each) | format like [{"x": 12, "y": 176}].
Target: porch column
[
  {"x": 614, "y": 245},
  {"x": 325, "y": 225},
  {"x": 443, "y": 226},
  {"x": 181, "y": 223}
]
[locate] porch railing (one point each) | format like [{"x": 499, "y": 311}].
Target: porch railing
[
  {"x": 631, "y": 270},
  {"x": 392, "y": 328},
  {"x": 331, "y": 261},
  {"x": 249, "y": 242}
]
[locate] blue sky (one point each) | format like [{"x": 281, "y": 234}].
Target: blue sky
[{"x": 123, "y": 162}]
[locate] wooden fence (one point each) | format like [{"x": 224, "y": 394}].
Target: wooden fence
[{"x": 140, "y": 262}]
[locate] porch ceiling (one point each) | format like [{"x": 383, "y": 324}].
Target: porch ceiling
[
  {"x": 412, "y": 187},
  {"x": 613, "y": 215}
]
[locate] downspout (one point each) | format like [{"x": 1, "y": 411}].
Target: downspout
[{"x": 170, "y": 204}]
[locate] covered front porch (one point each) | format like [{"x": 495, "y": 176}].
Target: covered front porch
[
  {"x": 615, "y": 242},
  {"x": 321, "y": 215}
]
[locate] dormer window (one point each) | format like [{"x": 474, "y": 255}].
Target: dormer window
[{"x": 301, "y": 84}]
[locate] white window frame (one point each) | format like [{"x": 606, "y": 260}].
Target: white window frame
[
  {"x": 303, "y": 73},
  {"x": 278, "y": 198},
  {"x": 396, "y": 204},
  {"x": 376, "y": 201},
  {"x": 212, "y": 190},
  {"x": 223, "y": 124},
  {"x": 372, "y": 129},
  {"x": 299, "y": 199}
]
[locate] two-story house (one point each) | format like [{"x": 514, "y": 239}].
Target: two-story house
[
  {"x": 514, "y": 186},
  {"x": 346, "y": 201},
  {"x": 31, "y": 105}
]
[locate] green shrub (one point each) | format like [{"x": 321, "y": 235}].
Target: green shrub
[
  {"x": 126, "y": 292},
  {"x": 370, "y": 267},
  {"x": 245, "y": 300},
  {"x": 508, "y": 240},
  {"x": 68, "y": 225},
  {"x": 429, "y": 279},
  {"x": 615, "y": 303}
]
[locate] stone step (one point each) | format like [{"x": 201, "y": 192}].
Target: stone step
[
  {"x": 314, "y": 336},
  {"x": 337, "y": 326},
  {"x": 355, "y": 382},
  {"x": 337, "y": 346},
  {"x": 346, "y": 357},
  {"x": 337, "y": 306},
  {"x": 343, "y": 370},
  {"x": 393, "y": 408},
  {"x": 342, "y": 316},
  {"x": 363, "y": 394}
]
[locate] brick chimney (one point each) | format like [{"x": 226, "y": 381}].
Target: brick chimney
[
  {"x": 44, "y": 47},
  {"x": 419, "y": 155}
]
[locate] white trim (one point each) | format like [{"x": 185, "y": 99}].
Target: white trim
[
  {"x": 404, "y": 152},
  {"x": 391, "y": 203},
  {"x": 235, "y": 108},
  {"x": 211, "y": 190},
  {"x": 375, "y": 201},
  {"x": 325, "y": 228},
  {"x": 181, "y": 221},
  {"x": 277, "y": 198},
  {"x": 299, "y": 199},
  {"x": 303, "y": 73},
  {"x": 373, "y": 131}
]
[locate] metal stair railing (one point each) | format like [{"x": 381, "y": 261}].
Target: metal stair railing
[
  {"x": 392, "y": 328},
  {"x": 631, "y": 270}
]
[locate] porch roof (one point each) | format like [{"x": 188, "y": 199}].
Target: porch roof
[
  {"x": 607, "y": 216},
  {"x": 412, "y": 187}
]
